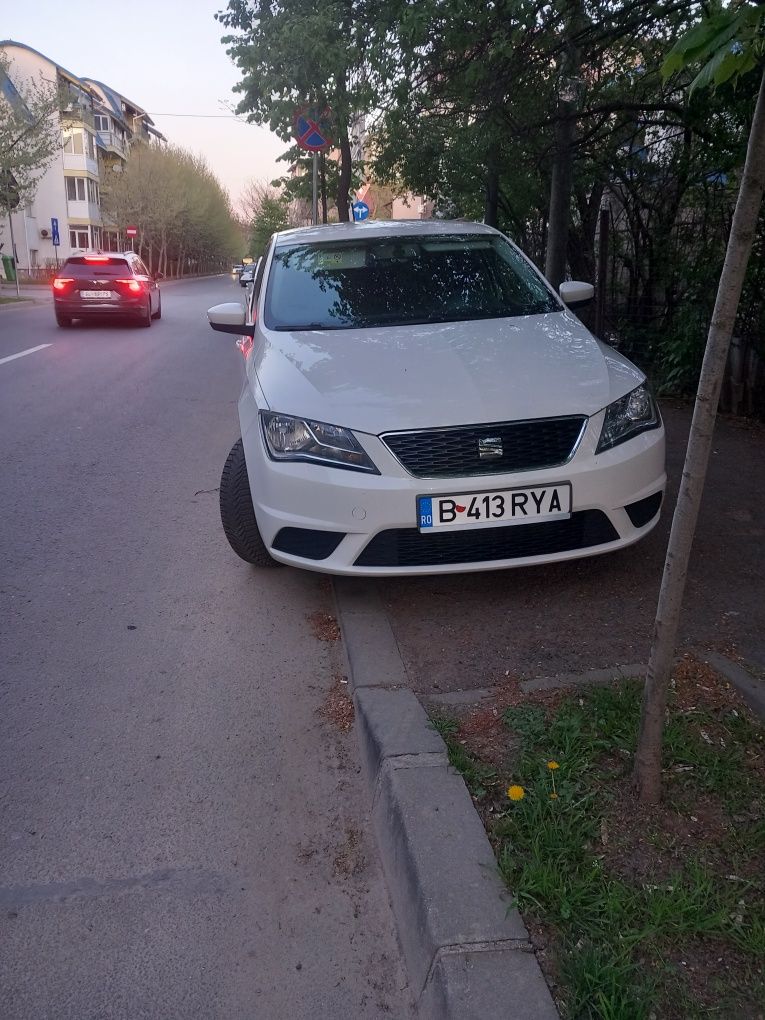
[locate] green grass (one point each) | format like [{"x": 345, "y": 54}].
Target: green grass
[
  {"x": 612, "y": 934},
  {"x": 12, "y": 300}
]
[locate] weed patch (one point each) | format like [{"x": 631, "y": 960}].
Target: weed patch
[{"x": 643, "y": 913}]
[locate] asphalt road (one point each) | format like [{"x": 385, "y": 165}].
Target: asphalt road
[{"x": 182, "y": 830}]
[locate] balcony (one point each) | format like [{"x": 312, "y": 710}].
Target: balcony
[
  {"x": 77, "y": 210},
  {"x": 74, "y": 113},
  {"x": 113, "y": 142},
  {"x": 76, "y": 161}
]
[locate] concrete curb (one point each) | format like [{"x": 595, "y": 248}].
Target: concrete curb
[
  {"x": 751, "y": 690},
  {"x": 465, "y": 945}
]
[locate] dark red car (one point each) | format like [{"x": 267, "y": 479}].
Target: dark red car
[{"x": 100, "y": 285}]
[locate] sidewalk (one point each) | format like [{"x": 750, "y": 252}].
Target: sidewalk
[{"x": 37, "y": 294}]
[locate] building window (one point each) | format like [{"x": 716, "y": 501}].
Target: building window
[
  {"x": 73, "y": 143},
  {"x": 102, "y": 123},
  {"x": 75, "y": 189},
  {"x": 92, "y": 191},
  {"x": 91, "y": 145},
  {"x": 78, "y": 237},
  {"x": 96, "y": 232}
]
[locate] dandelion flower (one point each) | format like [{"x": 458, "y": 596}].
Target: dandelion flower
[
  {"x": 552, "y": 765},
  {"x": 553, "y": 796},
  {"x": 516, "y": 792}
]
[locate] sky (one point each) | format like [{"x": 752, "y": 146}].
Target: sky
[{"x": 164, "y": 55}]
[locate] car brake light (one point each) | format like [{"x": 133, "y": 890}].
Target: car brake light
[
  {"x": 62, "y": 282},
  {"x": 96, "y": 258},
  {"x": 132, "y": 285}
]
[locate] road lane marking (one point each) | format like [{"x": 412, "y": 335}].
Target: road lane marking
[{"x": 23, "y": 354}]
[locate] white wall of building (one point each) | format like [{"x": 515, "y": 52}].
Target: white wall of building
[{"x": 32, "y": 225}]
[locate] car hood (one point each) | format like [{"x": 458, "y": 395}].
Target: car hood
[{"x": 408, "y": 377}]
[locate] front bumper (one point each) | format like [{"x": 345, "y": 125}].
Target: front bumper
[{"x": 347, "y": 522}]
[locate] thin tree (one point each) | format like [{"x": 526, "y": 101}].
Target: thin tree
[
  {"x": 30, "y": 136},
  {"x": 727, "y": 44}
]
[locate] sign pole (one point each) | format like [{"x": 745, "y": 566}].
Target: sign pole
[
  {"x": 315, "y": 204},
  {"x": 55, "y": 237},
  {"x": 309, "y": 124}
]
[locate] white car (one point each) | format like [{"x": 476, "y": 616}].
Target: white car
[{"x": 418, "y": 400}]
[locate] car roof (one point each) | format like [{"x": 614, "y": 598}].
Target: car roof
[
  {"x": 101, "y": 254},
  {"x": 381, "y": 228}
]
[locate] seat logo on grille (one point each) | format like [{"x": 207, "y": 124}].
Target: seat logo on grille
[{"x": 489, "y": 447}]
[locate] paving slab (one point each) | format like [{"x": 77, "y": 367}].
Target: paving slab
[{"x": 504, "y": 985}]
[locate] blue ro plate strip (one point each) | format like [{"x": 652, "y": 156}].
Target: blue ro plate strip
[{"x": 425, "y": 511}]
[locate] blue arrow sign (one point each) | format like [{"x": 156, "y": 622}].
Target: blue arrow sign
[
  {"x": 360, "y": 211},
  {"x": 54, "y": 232}
]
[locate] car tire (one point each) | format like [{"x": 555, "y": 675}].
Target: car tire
[
  {"x": 158, "y": 313},
  {"x": 145, "y": 319},
  {"x": 237, "y": 514},
  {"x": 63, "y": 320}
]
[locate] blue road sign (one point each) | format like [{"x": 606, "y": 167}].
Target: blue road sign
[
  {"x": 54, "y": 232},
  {"x": 360, "y": 211}
]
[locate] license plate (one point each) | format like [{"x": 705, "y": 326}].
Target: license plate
[
  {"x": 498, "y": 506},
  {"x": 104, "y": 295}
]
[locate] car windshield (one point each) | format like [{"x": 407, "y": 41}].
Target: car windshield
[{"x": 397, "y": 281}]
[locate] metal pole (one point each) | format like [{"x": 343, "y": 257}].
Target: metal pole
[{"x": 315, "y": 205}]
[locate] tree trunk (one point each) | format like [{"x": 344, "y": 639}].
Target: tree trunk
[
  {"x": 563, "y": 155},
  {"x": 560, "y": 198},
  {"x": 491, "y": 203},
  {"x": 323, "y": 179},
  {"x": 344, "y": 180},
  {"x": 647, "y": 773}
]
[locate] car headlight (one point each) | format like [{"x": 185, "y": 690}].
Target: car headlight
[
  {"x": 626, "y": 417},
  {"x": 289, "y": 438}
]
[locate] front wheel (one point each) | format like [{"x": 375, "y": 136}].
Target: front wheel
[
  {"x": 158, "y": 313},
  {"x": 236, "y": 511}
]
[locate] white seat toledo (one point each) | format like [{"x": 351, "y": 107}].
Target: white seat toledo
[{"x": 418, "y": 400}]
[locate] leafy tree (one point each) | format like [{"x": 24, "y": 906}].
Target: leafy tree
[
  {"x": 29, "y": 136},
  {"x": 184, "y": 218},
  {"x": 727, "y": 44},
  {"x": 292, "y": 53},
  {"x": 487, "y": 102},
  {"x": 271, "y": 217}
]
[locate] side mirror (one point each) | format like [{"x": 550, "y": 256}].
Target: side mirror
[
  {"x": 159, "y": 276},
  {"x": 576, "y": 294},
  {"x": 230, "y": 317}
]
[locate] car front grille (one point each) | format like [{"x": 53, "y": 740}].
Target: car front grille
[
  {"x": 490, "y": 449},
  {"x": 408, "y": 547}
]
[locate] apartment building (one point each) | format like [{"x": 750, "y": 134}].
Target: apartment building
[{"x": 98, "y": 126}]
